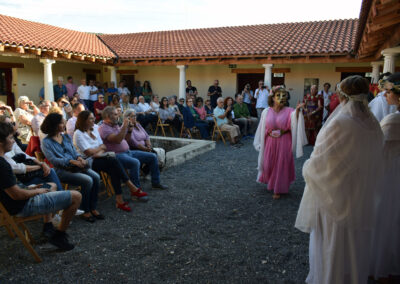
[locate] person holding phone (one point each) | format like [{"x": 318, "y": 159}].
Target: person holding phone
[
  {"x": 214, "y": 92},
  {"x": 261, "y": 95}
]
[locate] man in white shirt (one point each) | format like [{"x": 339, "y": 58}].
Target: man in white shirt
[
  {"x": 84, "y": 92},
  {"x": 326, "y": 94},
  {"x": 123, "y": 89},
  {"x": 44, "y": 107},
  {"x": 77, "y": 109},
  {"x": 261, "y": 95},
  {"x": 93, "y": 95},
  {"x": 149, "y": 114}
]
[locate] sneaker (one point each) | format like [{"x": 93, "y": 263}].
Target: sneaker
[
  {"x": 79, "y": 212},
  {"x": 159, "y": 186},
  {"x": 60, "y": 240},
  {"x": 48, "y": 230}
]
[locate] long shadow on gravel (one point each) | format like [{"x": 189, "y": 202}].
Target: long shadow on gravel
[{"x": 214, "y": 225}]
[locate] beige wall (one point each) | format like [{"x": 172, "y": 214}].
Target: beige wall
[{"x": 28, "y": 81}]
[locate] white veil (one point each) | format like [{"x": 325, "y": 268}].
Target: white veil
[{"x": 341, "y": 174}]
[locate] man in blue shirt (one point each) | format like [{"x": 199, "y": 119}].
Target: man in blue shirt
[{"x": 60, "y": 89}]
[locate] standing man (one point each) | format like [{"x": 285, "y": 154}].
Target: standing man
[
  {"x": 59, "y": 90},
  {"x": 93, "y": 95},
  {"x": 326, "y": 94},
  {"x": 261, "y": 95},
  {"x": 71, "y": 87},
  {"x": 214, "y": 92},
  {"x": 138, "y": 89},
  {"x": 84, "y": 93},
  {"x": 191, "y": 90}
]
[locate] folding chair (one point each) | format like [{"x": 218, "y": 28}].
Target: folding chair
[
  {"x": 162, "y": 125},
  {"x": 107, "y": 183},
  {"x": 188, "y": 131},
  {"x": 11, "y": 224},
  {"x": 217, "y": 131}
]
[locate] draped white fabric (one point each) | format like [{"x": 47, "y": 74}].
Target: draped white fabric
[
  {"x": 299, "y": 138},
  {"x": 341, "y": 185},
  {"x": 380, "y": 108},
  {"x": 386, "y": 242}
]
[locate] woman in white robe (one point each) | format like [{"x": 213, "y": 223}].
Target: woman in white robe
[
  {"x": 386, "y": 244},
  {"x": 338, "y": 200}
]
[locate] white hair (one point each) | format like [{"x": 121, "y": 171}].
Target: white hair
[
  {"x": 220, "y": 99},
  {"x": 128, "y": 112},
  {"x": 22, "y": 99}
]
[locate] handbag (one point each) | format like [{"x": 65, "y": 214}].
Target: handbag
[{"x": 28, "y": 176}]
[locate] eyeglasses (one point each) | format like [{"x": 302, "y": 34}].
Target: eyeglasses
[{"x": 101, "y": 97}]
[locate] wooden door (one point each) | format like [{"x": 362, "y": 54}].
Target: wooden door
[
  {"x": 248, "y": 78},
  {"x": 6, "y": 87},
  {"x": 129, "y": 81}
]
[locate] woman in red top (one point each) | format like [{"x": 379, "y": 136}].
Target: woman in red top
[
  {"x": 334, "y": 103},
  {"x": 99, "y": 106}
]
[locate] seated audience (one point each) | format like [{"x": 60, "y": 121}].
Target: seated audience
[
  {"x": 65, "y": 107},
  {"x": 242, "y": 114},
  {"x": 124, "y": 102},
  {"x": 89, "y": 144},
  {"x": 114, "y": 137},
  {"x": 191, "y": 118},
  {"x": 28, "y": 169},
  {"x": 23, "y": 116},
  {"x": 168, "y": 116},
  {"x": 207, "y": 106},
  {"x": 70, "y": 167},
  {"x": 228, "y": 102},
  {"x": 172, "y": 105},
  {"x": 149, "y": 113},
  {"x": 155, "y": 104},
  {"x": 37, "y": 200},
  {"x": 220, "y": 115},
  {"x": 204, "y": 116},
  {"x": 76, "y": 110},
  {"x": 7, "y": 111},
  {"x": 181, "y": 105},
  {"x": 99, "y": 106},
  {"x": 44, "y": 107},
  {"x": 115, "y": 101}
]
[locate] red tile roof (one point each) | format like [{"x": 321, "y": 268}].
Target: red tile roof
[
  {"x": 19, "y": 32},
  {"x": 324, "y": 37}
]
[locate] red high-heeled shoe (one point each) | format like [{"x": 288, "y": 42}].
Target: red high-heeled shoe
[
  {"x": 140, "y": 195},
  {"x": 123, "y": 206}
]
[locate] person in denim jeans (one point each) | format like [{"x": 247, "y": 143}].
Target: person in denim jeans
[
  {"x": 71, "y": 168},
  {"x": 114, "y": 137},
  {"x": 36, "y": 200}
]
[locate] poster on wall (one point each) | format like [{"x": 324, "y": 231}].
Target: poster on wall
[{"x": 308, "y": 82}]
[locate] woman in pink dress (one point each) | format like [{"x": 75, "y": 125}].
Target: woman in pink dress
[{"x": 280, "y": 128}]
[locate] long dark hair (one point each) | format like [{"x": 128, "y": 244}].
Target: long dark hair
[
  {"x": 148, "y": 86},
  {"x": 50, "y": 124},
  {"x": 162, "y": 103},
  {"x": 83, "y": 116}
]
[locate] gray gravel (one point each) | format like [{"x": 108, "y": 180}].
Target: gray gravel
[{"x": 214, "y": 225}]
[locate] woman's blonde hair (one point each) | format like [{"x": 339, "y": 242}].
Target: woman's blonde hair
[{"x": 22, "y": 99}]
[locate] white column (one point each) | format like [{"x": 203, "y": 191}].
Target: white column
[
  {"x": 388, "y": 62},
  {"x": 268, "y": 74},
  {"x": 48, "y": 79},
  {"x": 182, "y": 80},
  {"x": 375, "y": 71},
  {"x": 113, "y": 75}
]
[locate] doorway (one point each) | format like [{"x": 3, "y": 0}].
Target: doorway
[
  {"x": 254, "y": 78},
  {"x": 129, "y": 80},
  {"x": 6, "y": 94}
]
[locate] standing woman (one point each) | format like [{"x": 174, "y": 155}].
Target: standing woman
[
  {"x": 70, "y": 167},
  {"x": 147, "y": 91},
  {"x": 89, "y": 144},
  {"x": 338, "y": 204},
  {"x": 386, "y": 244},
  {"x": 280, "y": 129}
]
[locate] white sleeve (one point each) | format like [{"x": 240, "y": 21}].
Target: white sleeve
[
  {"x": 80, "y": 142},
  {"x": 97, "y": 134},
  {"x": 299, "y": 137},
  {"x": 17, "y": 168}
]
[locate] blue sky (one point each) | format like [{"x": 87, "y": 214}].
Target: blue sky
[{"x": 123, "y": 16}]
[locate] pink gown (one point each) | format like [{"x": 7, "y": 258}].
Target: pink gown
[{"x": 278, "y": 167}]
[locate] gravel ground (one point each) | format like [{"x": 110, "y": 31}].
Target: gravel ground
[{"x": 214, "y": 225}]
